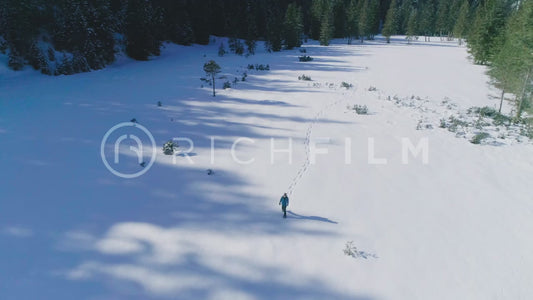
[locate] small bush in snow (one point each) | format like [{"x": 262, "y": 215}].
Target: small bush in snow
[
  {"x": 303, "y": 50},
  {"x": 372, "y": 89},
  {"x": 488, "y": 112},
  {"x": 159, "y": 103},
  {"x": 479, "y": 137},
  {"x": 226, "y": 85},
  {"x": 346, "y": 85},
  {"x": 527, "y": 130},
  {"x": 259, "y": 67},
  {"x": 351, "y": 250},
  {"x": 500, "y": 119},
  {"x": 262, "y": 67},
  {"x": 360, "y": 109},
  {"x": 244, "y": 75},
  {"x": 455, "y": 123},
  {"x": 170, "y": 147},
  {"x": 304, "y": 77},
  {"x": 305, "y": 58}
]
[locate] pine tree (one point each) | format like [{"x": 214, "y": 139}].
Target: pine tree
[
  {"x": 140, "y": 30},
  {"x": 412, "y": 27},
  {"x": 404, "y": 12},
  {"x": 339, "y": 20},
  {"x": 374, "y": 19},
  {"x": 486, "y": 36},
  {"x": 512, "y": 66},
  {"x": 274, "y": 26},
  {"x": 293, "y": 27},
  {"x": 391, "y": 25},
  {"x": 427, "y": 20},
  {"x": 317, "y": 12},
  {"x": 364, "y": 27},
  {"x": 461, "y": 26},
  {"x": 352, "y": 20},
  {"x": 211, "y": 69},
  {"x": 326, "y": 30},
  {"x": 443, "y": 15},
  {"x": 251, "y": 32}
]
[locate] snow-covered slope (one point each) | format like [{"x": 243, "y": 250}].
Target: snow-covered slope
[{"x": 457, "y": 226}]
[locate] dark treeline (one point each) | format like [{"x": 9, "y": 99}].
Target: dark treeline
[{"x": 70, "y": 36}]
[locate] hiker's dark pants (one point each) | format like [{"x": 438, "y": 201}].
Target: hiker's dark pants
[{"x": 284, "y": 209}]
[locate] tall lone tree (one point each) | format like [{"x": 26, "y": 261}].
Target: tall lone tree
[{"x": 211, "y": 69}]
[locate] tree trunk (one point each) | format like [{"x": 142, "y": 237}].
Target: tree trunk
[
  {"x": 213, "y": 86},
  {"x": 501, "y": 101},
  {"x": 522, "y": 95}
]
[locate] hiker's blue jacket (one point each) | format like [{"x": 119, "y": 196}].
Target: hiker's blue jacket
[{"x": 284, "y": 201}]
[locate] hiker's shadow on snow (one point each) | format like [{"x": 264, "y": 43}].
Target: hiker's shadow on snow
[{"x": 292, "y": 215}]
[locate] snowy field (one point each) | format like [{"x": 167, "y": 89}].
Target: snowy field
[{"x": 453, "y": 222}]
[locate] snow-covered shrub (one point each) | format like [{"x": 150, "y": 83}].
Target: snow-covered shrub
[
  {"x": 170, "y": 147},
  {"x": 527, "y": 130},
  {"x": 360, "y": 109},
  {"x": 303, "y": 50},
  {"x": 261, "y": 67},
  {"x": 455, "y": 123},
  {"x": 351, "y": 250},
  {"x": 500, "y": 119},
  {"x": 244, "y": 75},
  {"x": 476, "y": 139},
  {"x": 419, "y": 125},
  {"x": 304, "y": 77},
  {"x": 346, "y": 85},
  {"x": 488, "y": 112},
  {"x": 373, "y": 89},
  {"x": 442, "y": 123},
  {"x": 227, "y": 85},
  {"x": 305, "y": 58}
]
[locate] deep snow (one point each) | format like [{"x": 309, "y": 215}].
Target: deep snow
[{"x": 456, "y": 227}]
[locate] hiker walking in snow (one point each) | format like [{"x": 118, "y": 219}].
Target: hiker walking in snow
[{"x": 284, "y": 202}]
